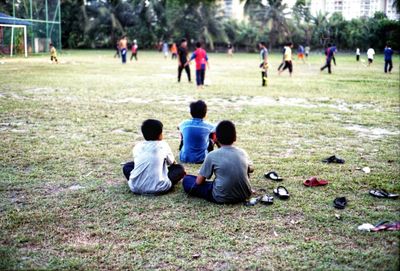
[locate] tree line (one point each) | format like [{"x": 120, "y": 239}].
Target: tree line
[{"x": 100, "y": 23}]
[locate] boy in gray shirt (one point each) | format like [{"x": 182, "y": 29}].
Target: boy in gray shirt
[{"x": 231, "y": 166}]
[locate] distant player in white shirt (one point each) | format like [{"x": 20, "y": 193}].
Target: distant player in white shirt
[{"x": 370, "y": 55}]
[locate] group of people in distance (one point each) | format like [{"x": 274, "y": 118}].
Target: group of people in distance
[
  {"x": 154, "y": 170},
  {"x": 201, "y": 59},
  {"x": 122, "y": 49}
]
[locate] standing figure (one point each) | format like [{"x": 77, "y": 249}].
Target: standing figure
[
  {"x": 165, "y": 49},
  {"x": 182, "y": 60},
  {"x": 53, "y": 54},
  {"x": 307, "y": 51},
  {"x": 201, "y": 59},
  {"x": 370, "y": 55},
  {"x": 358, "y": 54},
  {"x": 288, "y": 58},
  {"x": 329, "y": 55},
  {"x": 134, "y": 50},
  {"x": 174, "y": 51},
  {"x": 123, "y": 46},
  {"x": 264, "y": 63},
  {"x": 117, "y": 49},
  {"x": 388, "y": 52},
  {"x": 230, "y": 49},
  {"x": 334, "y": 50},
  {"x": 300, "y": 53}
]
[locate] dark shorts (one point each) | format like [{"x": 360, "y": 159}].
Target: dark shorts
[
  {"x": 288, "y": 65},
  {"x": 370, "y": 60}
]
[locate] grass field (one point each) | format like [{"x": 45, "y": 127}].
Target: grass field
[{"x": 65, "y": 129}]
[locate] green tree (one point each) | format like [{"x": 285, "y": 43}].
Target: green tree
[{"x": 270, "y": 15}]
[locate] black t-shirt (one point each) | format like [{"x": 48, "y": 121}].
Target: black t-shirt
[{"x": 182, "y": 53}]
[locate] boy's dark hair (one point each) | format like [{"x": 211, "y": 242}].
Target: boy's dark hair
[
  {"x": 198, "y": 44},
  {"x": 51, "y": 44},
  {"x": 152, "y": 129},
  {"x": 198, "y": 109},
  {"x": 289, "y": 43},
  {"x": 183, "y": 40},
  {"x": 263, "y": 43},
  {"x": 226, "y": 132},
  {"x": 329, "y": 45}
]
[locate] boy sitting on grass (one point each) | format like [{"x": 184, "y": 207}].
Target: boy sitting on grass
[
  {"x": 196, "y": 135},
  {"x": 148, "y": 173},
  {"x": 231, "y": 167}
]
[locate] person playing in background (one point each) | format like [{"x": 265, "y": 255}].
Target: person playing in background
[
  {"x": 358, "y": 53},
  {"x": 329, "y": 54},
  {"x": 149, "y": 172},
  {"x": 300, "y": 53},
  {"x": 182, "y": 60},
  {"x": 197, "y": 135},
  {"x": 264, "y": 63},
  {"x": 165, "y": 49},
  {"x": 116, "y": 49},
  {"x": 53, "y": 54},
  {"x": 334, "y": 51},
  {"x": 174, "y": 51},
  {"x": 123, "y": 46},
  {"x": 134, "y": 50},
  {"x": 231, "y": 167},
  {"x": 283, "y": 58},
  {"x": 288, "y": 59},
  {"x": 307, "y": 51},
  {"x": 201, "y": 59},
  {"x": 230, "y": 49},
  {"x": 388, "y": 52},
  {"x": 370, "y": 56}
]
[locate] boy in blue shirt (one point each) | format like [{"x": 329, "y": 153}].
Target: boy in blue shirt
[
  {"x": 388, "y": 52},
  {"x": 196, "y": 135}
]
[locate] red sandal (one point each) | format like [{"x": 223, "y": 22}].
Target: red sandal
[{"x": 313, "y": 181}]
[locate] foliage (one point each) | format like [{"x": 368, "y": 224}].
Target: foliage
[{"x": 99, "y": 24}]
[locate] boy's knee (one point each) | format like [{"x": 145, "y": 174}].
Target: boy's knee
[{"x": 188, "y": 182}]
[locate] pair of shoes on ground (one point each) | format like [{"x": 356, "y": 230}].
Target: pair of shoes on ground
[
  {"x": 333, "y": 159},
  {"x": 382, "y": 193},
  {"x": 281, "y": 192},
  {"x": 381, "y": 226}
]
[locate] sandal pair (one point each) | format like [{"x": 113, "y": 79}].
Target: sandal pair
[{"x": 382, "y": 193}]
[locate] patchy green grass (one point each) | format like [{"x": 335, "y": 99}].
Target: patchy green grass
[{"x": 66, "y": 128}]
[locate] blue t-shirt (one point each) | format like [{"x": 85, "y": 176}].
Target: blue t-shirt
[
  {"x": 388, "y": 52},
  {"x": 195, "y": 136}
]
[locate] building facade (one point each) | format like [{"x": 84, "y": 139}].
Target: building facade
[{"x": 351, "y": 9}]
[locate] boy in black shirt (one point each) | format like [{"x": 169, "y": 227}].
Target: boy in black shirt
[{"x": 182, "y": 60}]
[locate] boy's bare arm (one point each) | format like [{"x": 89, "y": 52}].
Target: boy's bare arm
[{"x": 200, "y": 179}]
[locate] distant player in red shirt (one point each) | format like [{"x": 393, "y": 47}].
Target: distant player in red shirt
[
  {"x": 201, "y": 59},
  {"x": 134, "y": 50}
]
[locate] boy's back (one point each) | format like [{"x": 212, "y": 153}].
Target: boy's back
[
  {"x": 230, "y": 165},
  {"x": 195, "y": 136},
  {"x": 150, "y": 175}
]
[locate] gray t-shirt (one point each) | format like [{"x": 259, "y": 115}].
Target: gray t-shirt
[{"x": 230, "y": 165}]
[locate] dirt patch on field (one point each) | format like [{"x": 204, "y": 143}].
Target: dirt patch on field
[{"x": 370, "y": 132}]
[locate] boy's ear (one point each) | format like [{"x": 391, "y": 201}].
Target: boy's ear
[{"x": 160, "y": 137}]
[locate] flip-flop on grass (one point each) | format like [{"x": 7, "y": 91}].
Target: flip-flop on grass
[
  {"x": 313, "y": 181},
  {"x": 272, "y": 175},
  {"x": 281, "y": 192},
  {"x": 382, "y": 193}
]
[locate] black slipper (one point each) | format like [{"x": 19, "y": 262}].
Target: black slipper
[
  {"x": 281, "y": 192},
  {"x": 382, "y": 193},
  {"x": 333, "y": 159},
  {"x": 340, "y": 203},
  {"x": 273, "y": 176},
  {"x": 267, "y": 199}
]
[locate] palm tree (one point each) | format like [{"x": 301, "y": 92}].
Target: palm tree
[{"x": 270, "y": 14}]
